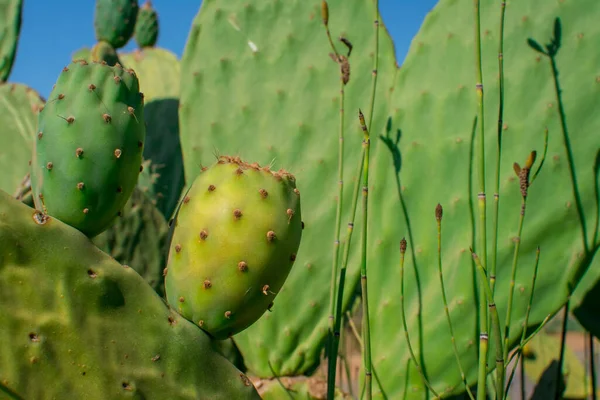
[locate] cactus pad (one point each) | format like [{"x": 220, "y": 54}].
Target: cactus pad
[
  {"x": 88, "y": 147},
  {"x": 157, "y": 70},
  {"x": 82, "y": 326},
  {"x": 114, "y": 21},
  {"x": 19, "y": 107},
  {"x": 236, "y": 238},
  {"x": 103, "y": 51},
  {"x": 10, "y": 28},
  {"x": 146, "y": 26}
]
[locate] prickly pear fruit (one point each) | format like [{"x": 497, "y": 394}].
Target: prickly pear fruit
[
  {"x": 236, "y": 236},
  {"x": 146, "y": 26},
  {"x": 114, "y": 21},
  {"x": 103, "y": 51},
  {"x": 88, "y": 149}
]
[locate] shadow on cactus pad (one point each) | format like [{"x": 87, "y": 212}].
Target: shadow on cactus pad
[{"x": 81, "y": 325}]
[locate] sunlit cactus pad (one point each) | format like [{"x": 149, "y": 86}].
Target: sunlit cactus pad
[
  {"x": 78, "y": 325},
  {"x": 236, "y": 238}
]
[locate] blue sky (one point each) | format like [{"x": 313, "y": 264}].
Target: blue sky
[{"x": 53, "y": 30}]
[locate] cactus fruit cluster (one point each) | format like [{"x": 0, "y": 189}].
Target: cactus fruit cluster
[
  {"x": 89, "y": 144},
  {"x": 237, "y": 234}
]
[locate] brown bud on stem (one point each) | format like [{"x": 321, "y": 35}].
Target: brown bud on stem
[
  {"x": 439, "y": 211},
  {"x": 325, "y": 12},
  {"x": 403, "y": 246}
]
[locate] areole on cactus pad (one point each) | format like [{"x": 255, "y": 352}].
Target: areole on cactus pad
[{"x": 236, "y": 237}]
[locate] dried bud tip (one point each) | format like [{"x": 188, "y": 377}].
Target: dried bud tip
[
  {"x": 530, "y": 159},
  {"x": 439, "y": 211},
  {"x": 517, "y": 168},
  {"x": 403, "y": 246},
  {"x": 325, "y": 12}
]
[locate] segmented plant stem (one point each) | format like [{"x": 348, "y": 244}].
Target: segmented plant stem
[
  {"x": 519, "y": 351},
  {"x": 438, "y": 217},
  {"x": 481, "y": 231},
  {"x": 403, "y": 246},
  {"x": 333, "y": 333},
  {"x": 495, "y": 326},
  {"x": 513, "y": 274},
  {"x": 498, "y": 149},
  {"x": 363, "y": 264}
]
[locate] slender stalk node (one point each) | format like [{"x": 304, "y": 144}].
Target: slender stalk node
[
  {"x": 439, "y": 211},
  {"x": 363, "y": 264}
]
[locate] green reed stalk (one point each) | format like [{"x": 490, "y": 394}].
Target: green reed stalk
[
  {"x": 498, "y": 149},
  {"x": 481, "y": 230},
  {"x": 495, "y": 326},
  {"x": 363, "y": 264},
  {"x": 523, "y": 174},
  {"x": 403, "y": 246},
  {"x": 526, "y": 322},
  {"x": 333, "y": 334},
  {"x": 338, "y": 290},
  {"x": 439, "y": 211}
]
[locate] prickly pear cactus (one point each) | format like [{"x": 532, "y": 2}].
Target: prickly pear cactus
[
  {"x": 114, "y": 21},
  {"x": 422, "y": 127},
  {"x": 236, "y": 237},
  {"x": 19, "y": 107},
  {"x": 10, "y": 28},
  {"x": 103, "y": 51},
  {"x": 146, "y": 26},
  {"x": 285, "y": 110},
  {"x": 138, "y": 238},
  {"x": 81, "y": 325},
  {"x": 88, "y": 147}
]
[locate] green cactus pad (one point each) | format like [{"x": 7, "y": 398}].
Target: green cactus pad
[
  {"x": 284, "y": 109},
  {"x": 158, "y": 72},
  {"x": 139, "y": 239},
  {"x": 146, "y": 26},
  {"x": 89, "y": 144},
  {"x": 10, "y": 28},
  {"x": 114, "y": 21},
  {"x": 103, "y": 51},
  {"x": 19, "y": 107},
  {"x": 82, "y": 326},
  {"x": 85, "y": 53},
  {"x": 236, "y": 237}
]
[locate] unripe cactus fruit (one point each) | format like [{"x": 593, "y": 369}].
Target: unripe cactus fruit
[
  {"x": 237, "y": 233},
  {"x": 146, "y": 26},
  {"x": 88, "y": 149},
  {"x": 114, "y": 21}
]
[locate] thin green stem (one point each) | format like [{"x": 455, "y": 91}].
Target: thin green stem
[
  {"x": 363, "y": 264},
  {"x": 500, "y": 370},
  {"x": 481, "y": 231},
  {"x": 334, "y": 334},
  {"x": 539, "y": 168},
  {"x": 522, "y": 345},
  {"x": 342, "y": 278},
  {"x": 375, "y": 67},
  {"x": 403, "y": 245},
  {"x": 513, "y": 274},
  {"x": 498, "y": 149},
  {"x": 438, "y": 217},
  {"x": 527, "y": 312}
]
